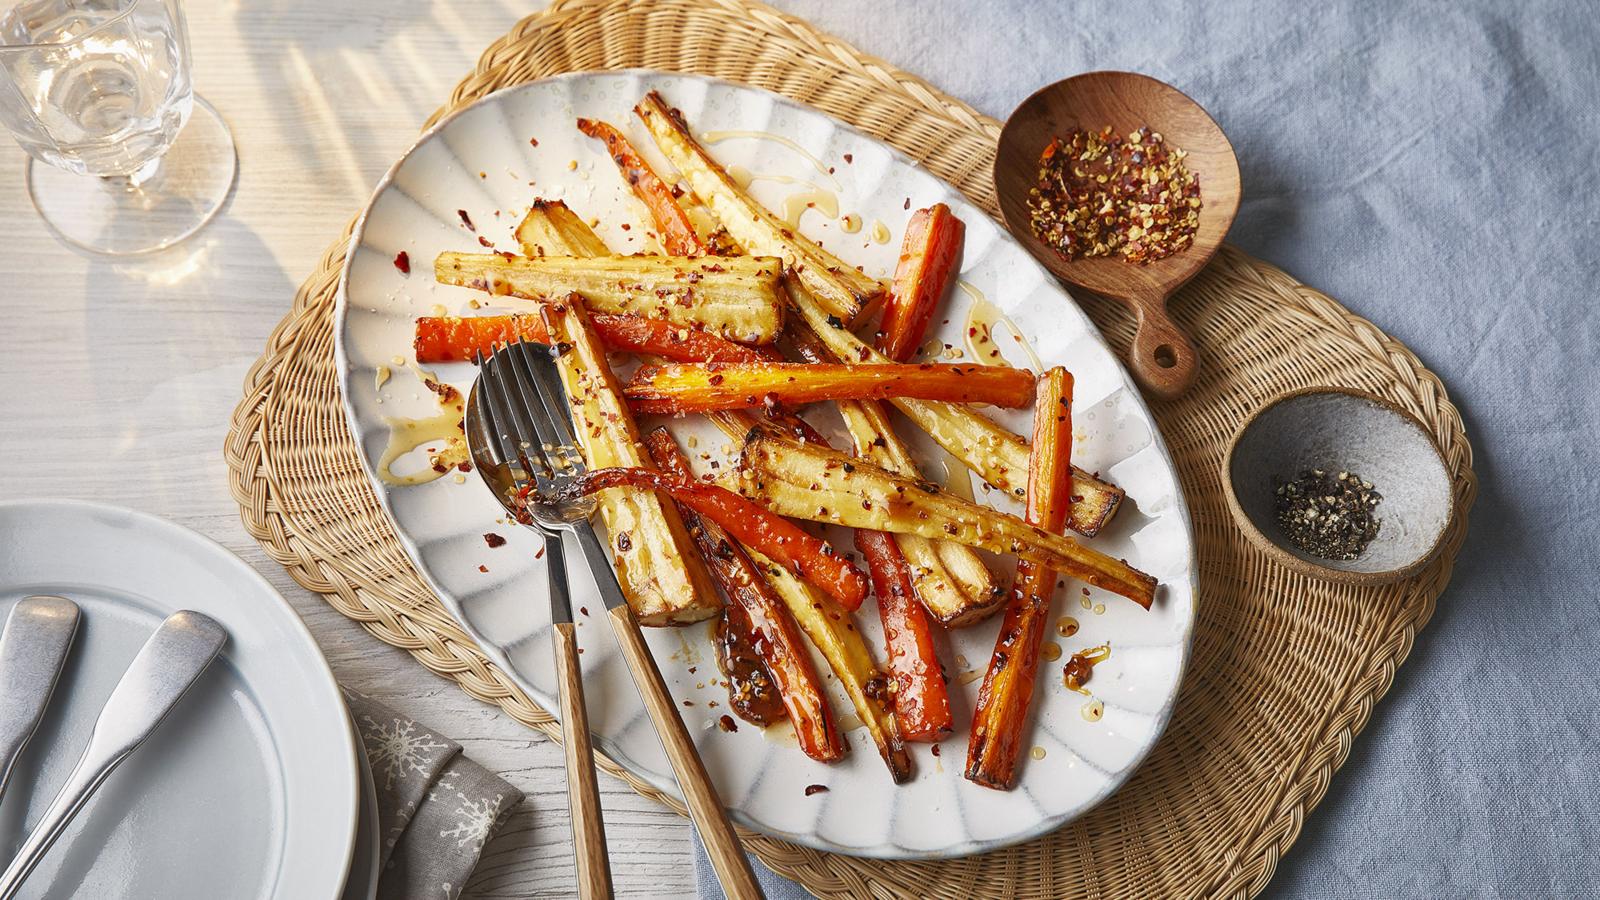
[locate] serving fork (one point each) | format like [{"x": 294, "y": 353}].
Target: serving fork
[
  {"x": 503, "y": 460},
  {"x": 524, "y": 408}
]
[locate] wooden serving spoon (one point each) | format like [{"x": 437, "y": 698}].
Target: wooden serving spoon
[{"x": 1162, "y": 358}]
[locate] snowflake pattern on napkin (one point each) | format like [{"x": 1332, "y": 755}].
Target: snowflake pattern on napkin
[{"x": 436, "y": 808}]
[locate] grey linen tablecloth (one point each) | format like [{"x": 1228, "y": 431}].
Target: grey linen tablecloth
[
  {"x": 436, "y": 808},
  {"x": 1436, "y": 167}
]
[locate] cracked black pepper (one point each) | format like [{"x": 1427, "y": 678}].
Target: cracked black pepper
[{"x": 1326, "y": 514}]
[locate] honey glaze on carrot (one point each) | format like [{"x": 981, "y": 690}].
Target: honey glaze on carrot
[{"x": 751, "y": 693}]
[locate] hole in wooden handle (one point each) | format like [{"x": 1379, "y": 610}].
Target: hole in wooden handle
[{"x": 1162, "y": 360}]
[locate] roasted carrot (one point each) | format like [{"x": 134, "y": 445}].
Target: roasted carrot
[
  {"x": 441, "y": 339},
  {"x": 455, "y": 339},
  {"x": 810, "y": 558},
  {"x": 920, "y": 701},
  {"x": 762, "y": 613},
  {"x": 1007, "y": 691},
  {"x": 702, "y": 387},
  {"x": 671, "y": 208},
  {"x": 672, "y": 224},
  {"x": 928, "y": 258}
]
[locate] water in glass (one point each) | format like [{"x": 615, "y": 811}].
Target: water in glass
[{"x": 102, "y": 87}]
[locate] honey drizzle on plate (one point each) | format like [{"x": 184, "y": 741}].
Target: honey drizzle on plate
[
  {"x": 717, "y": 137},
  {"x": 814, "y": 197},
  {"x": 982, "y": 317},
  {"x": 406, "y": 435}
]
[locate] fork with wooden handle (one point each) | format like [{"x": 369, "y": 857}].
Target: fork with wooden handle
[
  {"x": 499, "y": 459},
  {"x": 540, "y": 424}
]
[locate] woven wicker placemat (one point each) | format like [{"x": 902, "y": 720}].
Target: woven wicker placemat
[{"x": 1285, "y": 670}]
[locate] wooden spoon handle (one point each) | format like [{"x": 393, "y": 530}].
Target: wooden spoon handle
[
  {"x": 1162, "y": 358},
  {"x": 705, "y": 807},
  {"x": 583, "y": 792}
]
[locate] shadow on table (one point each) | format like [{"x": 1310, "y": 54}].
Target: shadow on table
[{"x": 193, "y": 291}]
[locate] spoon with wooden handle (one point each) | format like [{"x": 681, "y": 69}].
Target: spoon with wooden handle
[{"x": 1162, "y": 358}]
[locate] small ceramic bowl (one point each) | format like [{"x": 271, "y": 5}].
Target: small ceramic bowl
[{"x": 1342, "y": 430}]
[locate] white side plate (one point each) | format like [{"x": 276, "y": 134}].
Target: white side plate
[
  {"x": 483, "y": 160},
  {"x": 248, "y": 789}
]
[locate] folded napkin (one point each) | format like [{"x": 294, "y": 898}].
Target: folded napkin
[{"x": 436, "y": 808}]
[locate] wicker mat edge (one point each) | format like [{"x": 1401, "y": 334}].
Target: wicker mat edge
[{"x": 442, "y": 647}]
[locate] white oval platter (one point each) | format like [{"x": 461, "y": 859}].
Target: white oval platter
[{"x": 492, "y": 160}]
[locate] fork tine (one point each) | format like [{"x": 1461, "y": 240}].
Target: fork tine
[
  {"x": 512, "y": 433},
  {"x": 547, "y": 378},
  {"x": 551, "y": 411},
  {"x": 490, "y": 410},
  {"x": 531, "y": 417}
]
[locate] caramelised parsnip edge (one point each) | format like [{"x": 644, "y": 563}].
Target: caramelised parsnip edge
[{"x": 844, "y": 290}]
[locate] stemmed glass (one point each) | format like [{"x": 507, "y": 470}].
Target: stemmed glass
[{"x": 125, "y": 158}]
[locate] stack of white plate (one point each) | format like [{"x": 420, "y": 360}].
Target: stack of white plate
[{"x": 254, "y": 787}]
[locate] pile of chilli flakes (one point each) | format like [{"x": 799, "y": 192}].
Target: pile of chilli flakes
[{"x": 1100, "y": 194}]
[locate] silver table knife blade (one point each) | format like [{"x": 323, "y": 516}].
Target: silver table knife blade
[
  {"x": 168, "y": 664},
  {"x": 33, "y": 649}
]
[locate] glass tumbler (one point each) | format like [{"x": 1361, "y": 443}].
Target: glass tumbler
[{"x": 125, "y": 158}]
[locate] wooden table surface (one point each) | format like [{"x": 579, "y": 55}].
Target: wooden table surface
[{"x": 120, "y": 376}]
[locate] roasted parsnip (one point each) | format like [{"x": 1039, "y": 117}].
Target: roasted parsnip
[
  {"x": 663, "y": 578},
  {"x": 809, "y": 482},
  {"x": 950, "y": 579},
  {"x": 845, "y": 291},
  {"x": 550, "y": 228},
  {"x": 920, "y": 700},
  {"x": 1007, "y": 691},
  {"x": 833, "y": 631},
  {"x": 715, "y": 238},
  {"x": 701, "y": 387},
  {"x": 773, "y": 635},
  {"x": 953, "y": 584},
  {"x": 809, "y": 557},
  {"x": 735, "y": 297},
  {"x": 995, "y": 454},
  {"x": 928, "y": 257},
  {"x": 455, "y": 339},
  {"x": 673, "y": 227}
]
